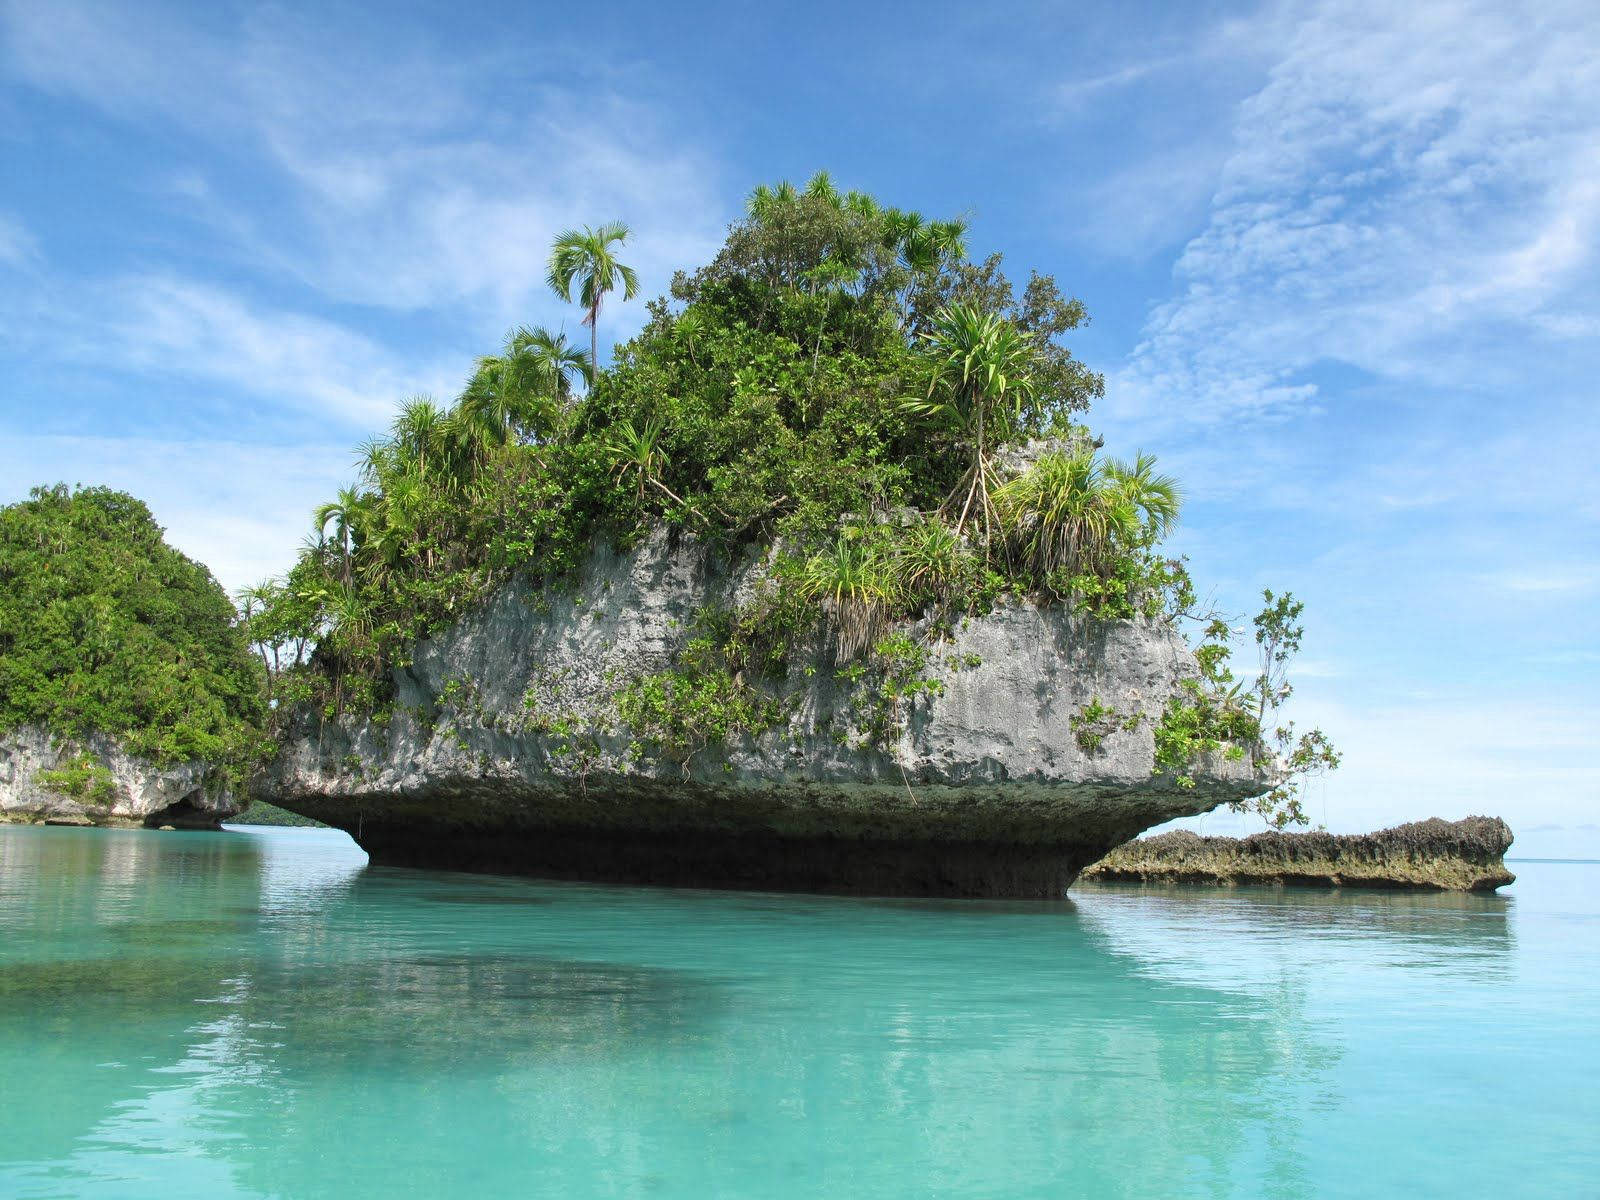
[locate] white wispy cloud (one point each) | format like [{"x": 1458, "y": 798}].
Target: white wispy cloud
[
  {"x": 402, "y": 179},
  {"x": 1546, "y": 577},
  {"x": 17, "y": 245},
  {"x": 360, "y": 215},
  {"x": 173, "y": 325},
  {"x": 1370, "y": 370},
  {"x": 1074, "y": 92},
  {"x": 1408, "y": 175}
]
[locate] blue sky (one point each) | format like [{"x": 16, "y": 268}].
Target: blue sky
[{"x": 1340, "y": 258}]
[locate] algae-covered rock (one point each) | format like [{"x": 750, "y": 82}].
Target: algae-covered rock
[
  {"x": 1437, "y": 855},
  {"x": 506, "y": 751}
]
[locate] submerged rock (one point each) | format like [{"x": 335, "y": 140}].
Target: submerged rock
[
  {"x": 94, "y": 781},
  {"x": 505, "y": 750},
  {"x": 1433, "y": 855}
]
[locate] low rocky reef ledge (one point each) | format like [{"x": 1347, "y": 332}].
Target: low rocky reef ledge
[{"x": 1433, "y": 855}]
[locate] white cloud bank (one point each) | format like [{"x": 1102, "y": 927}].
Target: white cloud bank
[{"x": 1409, "y": 176}]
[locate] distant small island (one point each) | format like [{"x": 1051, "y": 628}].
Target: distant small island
[{"x": 262, "y": 813}]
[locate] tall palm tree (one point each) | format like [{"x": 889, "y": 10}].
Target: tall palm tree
[
  {"x": 981, "y": 376},
  {"x": 585, "y": 261},
  {"x": 252, "y": 602}
]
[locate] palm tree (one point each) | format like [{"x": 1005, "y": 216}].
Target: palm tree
[
  {"x": 522, "y": 392},
  {"x": 545, "y": 364},
  {"x": 345, "y": 512},
  {"x": 376, "y": 460},
  {"x": 585, "y": 260},
  {"x": 981, "y": 376},
  {"x": 252, "y": 602},
  {"x": 1156, "y": 498},
  {"x": 492, "y": 403}
]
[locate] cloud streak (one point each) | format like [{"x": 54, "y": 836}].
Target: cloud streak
[{"x": 17, "y": 246}]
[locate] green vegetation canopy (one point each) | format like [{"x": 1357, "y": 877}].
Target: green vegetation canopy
[{"x": 104, "y": 627}]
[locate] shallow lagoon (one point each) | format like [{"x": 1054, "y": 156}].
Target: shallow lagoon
[{"x": 263, "y": 1014}]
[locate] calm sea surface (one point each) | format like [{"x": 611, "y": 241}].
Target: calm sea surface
[{"x": 262, "y": 1014}]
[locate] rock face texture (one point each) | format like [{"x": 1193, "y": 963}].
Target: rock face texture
[
  {"x": 116, "y": 789},
  {"x": 505, "y": 751},
  {"x": 1432, "y": 855}
]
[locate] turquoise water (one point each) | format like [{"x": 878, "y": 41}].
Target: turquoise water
[{"x": 262, "y": 1014}]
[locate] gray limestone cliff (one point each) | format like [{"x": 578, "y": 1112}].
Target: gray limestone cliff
[
  {"x": 1433, "y": 855},
  {"x": 96, "y": 782},
  {"x": 504, "y": 750}
]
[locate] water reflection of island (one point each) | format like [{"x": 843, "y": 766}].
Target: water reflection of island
[{"x": 619, "y": 1040}]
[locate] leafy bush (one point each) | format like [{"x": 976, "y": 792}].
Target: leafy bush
[
  {"x": 82, "y": 779},
  {"x": 702, "y": 701},
  {"x": 1220, "y": 713}
]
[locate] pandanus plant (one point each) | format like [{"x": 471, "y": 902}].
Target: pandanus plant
[
  {"x": 858, "y": 586},
  {"x": 636, "y": 450},
  {"x": 933, "y": 561},
  {"x": 1078, "y": 512},
  {"x": 980, "y": 378}
]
